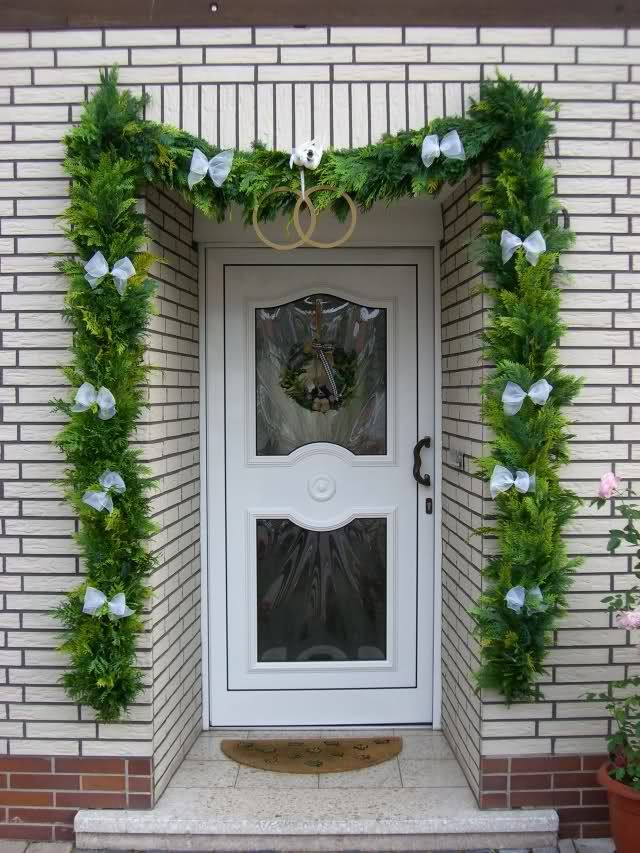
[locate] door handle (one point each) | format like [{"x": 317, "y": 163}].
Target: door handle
[{"x": 422, "y": 479}]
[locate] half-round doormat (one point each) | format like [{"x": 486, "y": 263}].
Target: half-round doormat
[{"x": 313, "y": 755}]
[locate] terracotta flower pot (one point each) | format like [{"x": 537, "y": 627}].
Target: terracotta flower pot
[{"x": 624, "y": 811}]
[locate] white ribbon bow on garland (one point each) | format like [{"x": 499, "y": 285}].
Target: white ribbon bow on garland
[
  {"x": 449, "y": 146},
  {"x": 534, "y": 245},
  {"x": 306, "y": 156},
  {"x": 518, "y": 595},
  {"x": 218, "y": 167},
  {"x": 86, "y": 396},
  {"x": 94, "y": 600},
  {"x": 514, "y": 395},
  {"x": 97, "y": 267},
  {"x": 110, "y": 481},
  {"x": 502, "y": 480}
]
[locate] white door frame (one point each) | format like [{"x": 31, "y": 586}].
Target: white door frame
[{"x": 414, "y": 224}]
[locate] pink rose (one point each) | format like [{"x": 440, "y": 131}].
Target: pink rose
[
  {"x": 629, "y": 620},
  {"x": 609, "y": 485}
]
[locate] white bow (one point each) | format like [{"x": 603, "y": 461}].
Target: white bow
[
  {"x": 86, "y": 396},
  {"x": 502, "y": 480},
  {"x": 97, "y": 267},
  {"x": 218, "y": 167},
  {"x": 110, "y": 481},
  {"x": 307, "y": 156},
  {"x": 514, "y": 395},
  {"x": 449, "y": 146},
  {"x": 534, "y": 245},
  {"x": 94, "y": 600},
  {"x": 518, "y": 595}
]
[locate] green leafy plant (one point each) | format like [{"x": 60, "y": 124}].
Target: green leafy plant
[
  {"x": 112, "y": 154},
  {"x": 622, "y": 697}
]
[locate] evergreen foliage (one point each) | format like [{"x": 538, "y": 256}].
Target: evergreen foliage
[
  {"x": 108, "y": 350},
  {"x": 111, "y": 154},
  {"x": 521, "y": 341}
]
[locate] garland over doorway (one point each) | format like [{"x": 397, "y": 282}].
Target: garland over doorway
[{"x": 111, "y": 155}]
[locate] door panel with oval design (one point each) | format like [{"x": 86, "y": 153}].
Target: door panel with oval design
[{"x": 326, "y": 614}]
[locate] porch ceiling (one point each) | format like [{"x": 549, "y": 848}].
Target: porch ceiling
[{"x": 407, "y": 222}]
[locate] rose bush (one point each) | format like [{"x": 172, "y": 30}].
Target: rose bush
[
  {"x": 622, "y": 698},
  {"x": 609, "y": 485}
]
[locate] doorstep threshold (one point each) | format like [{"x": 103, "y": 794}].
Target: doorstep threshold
[{"x": 388, "y": 819}]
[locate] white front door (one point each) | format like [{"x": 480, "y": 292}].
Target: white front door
[{"x": 320, "y": 543}]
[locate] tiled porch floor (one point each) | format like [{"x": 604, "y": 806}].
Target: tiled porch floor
[
  {"x": 426, "y": 761},
  {"x": 417, "y": 801}
]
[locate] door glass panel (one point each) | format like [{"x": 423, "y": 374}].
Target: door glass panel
[
  {"x": 321, "y": 375},
  {"x": 322, "y": 595}
]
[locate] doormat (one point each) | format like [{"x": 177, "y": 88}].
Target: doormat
[{"x": 313, "y": 755}]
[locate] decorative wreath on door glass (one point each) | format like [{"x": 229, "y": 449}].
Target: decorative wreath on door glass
[{"x": 318, "y": 375}]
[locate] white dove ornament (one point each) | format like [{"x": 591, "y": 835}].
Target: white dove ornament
[{"x": 307, "y": 156}]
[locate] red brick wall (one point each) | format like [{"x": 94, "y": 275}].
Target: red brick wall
[
  {"x": 566, "y": 783},
  {"x": 40, "y": 795}
]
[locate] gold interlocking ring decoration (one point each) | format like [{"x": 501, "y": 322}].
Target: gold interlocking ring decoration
[{"x": 305, "y": 235}]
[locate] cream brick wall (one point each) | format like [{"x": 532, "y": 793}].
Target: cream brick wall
[
  {"x": 346, "y": 86},
  {"x": 462, "y": 319},
  {"x": 170, "y": 438}
]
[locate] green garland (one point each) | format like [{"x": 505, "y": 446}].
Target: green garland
[
  {"x": 521, "y": 341},
  {"x": 111, "y": 154},
  {"x": 108, "y": 350}
]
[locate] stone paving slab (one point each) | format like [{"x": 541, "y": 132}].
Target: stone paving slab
[
  {"x": 592, "y": 845},
  {"x": 586, "y": 845},
  {"x": 36, "y": 847},
  {"x": 568, "y": 846}
]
